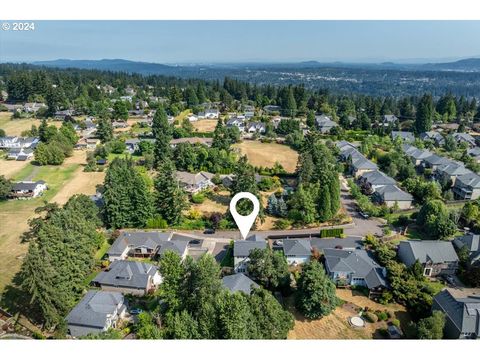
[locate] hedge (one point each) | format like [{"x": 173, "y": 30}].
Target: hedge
[{"x": 327, "y": 233}]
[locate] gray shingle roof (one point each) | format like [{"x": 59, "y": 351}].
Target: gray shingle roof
[
  {"x": 362, "y": 163},
  {"x": 434, "y": 251},
  {"x": 377, "y": 178},
  {"x": 94, "y": 308},
  {"x": 471, "y": 180},
  {"x": 357, "y": 262},
  {"x": 193, "y": 179},
  {"x": 453, "y": 168},
  {"x": 393, "y": 193},
  {"x": 26, "y": 185},
  {"x": 404, "y": 135},
  {"x": 297, "y": 247},
  {"x": 127, "y": 274},
  {"x": 150, "y": 239},
  {"x": 239, "y": 282},
  {"x": 471, "y": 241},
  {"x": 464, "y": 313},
  {"x": 242, "y": 248}
]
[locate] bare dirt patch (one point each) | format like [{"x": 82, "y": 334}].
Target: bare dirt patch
[
  {"x": 81, "y": 183},
  {"x": 267, "y": 154}
]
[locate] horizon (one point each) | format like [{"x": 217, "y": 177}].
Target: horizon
[{"x": 244, "y": 42}]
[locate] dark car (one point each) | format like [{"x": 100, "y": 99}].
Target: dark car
[{"x": 209, "y": 231}]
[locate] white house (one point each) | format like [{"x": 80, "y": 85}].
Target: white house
[
  {"x": 193, "y": 183},
  {"x": 242, "y": 249},
  {"x": 28, "y": 189},
  {"x": 297, "y": 251}
]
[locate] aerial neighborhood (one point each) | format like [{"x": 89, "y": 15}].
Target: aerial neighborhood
[{"x": 115, "y": 192}]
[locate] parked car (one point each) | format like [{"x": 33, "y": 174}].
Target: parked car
[
  {"x": 136, "y": 311},
  {"x": 209, "y": 231},
  {"x": 362, "y": 214}
]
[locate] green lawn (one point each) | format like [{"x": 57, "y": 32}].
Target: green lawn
[{"x": 103, "y": 249}]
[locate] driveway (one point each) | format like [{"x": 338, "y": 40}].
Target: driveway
[{"x": 361, "y": 226}]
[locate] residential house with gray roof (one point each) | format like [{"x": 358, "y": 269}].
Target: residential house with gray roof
[
  {"x": 129, "y": 277},
  {"x": 434, "y": 161},
  {"x": 464, "y": 138},
  {"x": 359, "y": 165},
  {"x": 417, "y": 156},
  {"x": 405, "y": 136},
  {"x": 474, "y": 153},
  {"x": 393, "y": 196},
  {"x": 450, "y": 171},
  {"x": 193, "y": 183},
  {"x": 467, "y": 187},
  {"x": 388, "y": 120},
  {"x": 472, "y": 243},
  {"x": 192, "y": 141},
  {"x": 97, "y": 312},
  {"x": 434, "y": 137},
  {"x": 324, "y": 124},
  {"x": 462, "y": 315},
  {"x": 437, "y": 257},
  {"x": 372, "y": 180},
  {"x": 239, "y": 283},
  {"x": 297, "y": 251},
  {"x": 242, "y": 249},
  {"x": 28, "y": 189},
  {"x": 145, "y": 244},
  {"x": 356, "y": 268}
]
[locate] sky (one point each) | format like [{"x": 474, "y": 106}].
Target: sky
[{"x": 183, "y": 42}]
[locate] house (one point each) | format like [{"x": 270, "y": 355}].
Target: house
[
  {"x": 192, "y": 141},
  {"x": 209, "y": 114},
  {"x": 192, "y": 118},
  {"x": 120, "y": 124},
  {"x": 472, "y": 243},
  {"x": 434, "y": 137},
  {"x": 434, "y": 161},
  {"x": 145, "y": 244},
  {"x": 237, "y": 122},
  {"x": 249, "y": 114},
  {"x": 462, "y": 315},
  {"x": 15, "y": 142},
  {"x": 256, "y": 127},
  {"x": 450, "y": 171},
  {"x": 437, "y": 257},
  {"x": 405, "y": 136},
  {"x": 464, "y": 138},
  {"x": 388, "y": 120},
  {"x": 272, "y": 109},
  {"x": 239, "y": 283},
  {"x": 475, "y": 153},
  {"x": 324, "y": 124},
  {"x": 126, "y": 98},
  {"x": 467, "y": 187},
  {"x": 92, "y": 143},
  {"x": 129, "y": 277},
  {"x": 33, "y": 107},
  {"x": 193, "y": 183},
  {"x": 359, "y": 164},
  {"x": 372, "y": 180},
  {"x": 97, "y": 312},
  {"x": 242, "y": 249},
  {"x": 20, "y": 154},
  {"x": 63, "y": 114},
  {"x": 417, "y": 156},
  {"x": 355, "y": 268},
  {"x": 28, "y": 189},
  {"x": 297, "y": 251}
]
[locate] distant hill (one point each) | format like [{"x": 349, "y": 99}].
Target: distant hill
[
  {"x": 464, "y": 65},
  {"x": 110, "y": 65}
]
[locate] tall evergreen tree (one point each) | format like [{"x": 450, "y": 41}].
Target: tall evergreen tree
[
  {"x": 170, "y": 199},
  {"x": 425, "y": 112},
  {"x": 162, "y": 132}
]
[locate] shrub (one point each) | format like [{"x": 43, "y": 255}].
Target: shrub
[
  {"x": 371, "y": 317},
  {"x": 327, "y": 233},
  {"x": 382, "y": 316},
  {"x": 156, "y": 223},
  {"x": 396, "y": 322},
  {"x": 198, "y": 198},
  {"x": 282, "y": 224}
]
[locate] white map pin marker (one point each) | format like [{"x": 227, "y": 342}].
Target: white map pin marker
[{"x": 244, "y": 223}]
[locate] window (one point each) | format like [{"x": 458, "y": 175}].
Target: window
[{"x": 427, "y": 271}]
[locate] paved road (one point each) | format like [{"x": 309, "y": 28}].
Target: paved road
[{"x": 362, "y": 226}]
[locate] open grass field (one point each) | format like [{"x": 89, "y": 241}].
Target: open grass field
[
  {"x": 336, "y": 326},
  {"x": 267, "y": 154},
  {"x": 205, "y": 125},
  {"x": 15, "y": 127},
  {"x": 14, "y": 215}
]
